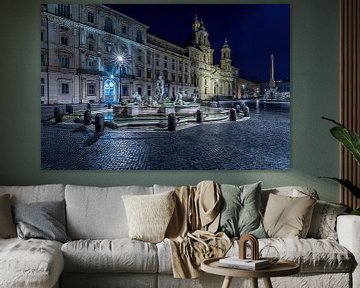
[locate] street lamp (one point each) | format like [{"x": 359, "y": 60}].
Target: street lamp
[
  {"x": 120, "y": 60},
  {"x": 243, "y": 88},
  {"x": 217, "y": 91}
]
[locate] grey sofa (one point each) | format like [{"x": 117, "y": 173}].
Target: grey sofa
[{"x": 101, "y": 254}]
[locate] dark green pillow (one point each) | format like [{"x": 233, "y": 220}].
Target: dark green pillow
[
  {"x": 43, "y": 220},
  {"x": 240, "y": 213}
]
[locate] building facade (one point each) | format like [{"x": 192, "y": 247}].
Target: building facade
[{"x": 93, "y": 54}]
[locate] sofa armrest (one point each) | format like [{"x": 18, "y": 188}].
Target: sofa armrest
[{"x": 348, "y": 230}]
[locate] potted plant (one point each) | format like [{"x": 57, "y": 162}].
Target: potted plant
[{"x": 351, "y": 141}]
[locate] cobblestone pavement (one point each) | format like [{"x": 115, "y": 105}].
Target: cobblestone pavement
[{"x": 262, "y": 142}]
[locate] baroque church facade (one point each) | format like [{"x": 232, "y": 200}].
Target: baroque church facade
[{"x": 93, "y": 54}]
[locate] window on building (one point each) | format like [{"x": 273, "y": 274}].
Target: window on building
[
  {"x": 125, "y": 90},
  {"x": 148, "y": 58},
  {"x": 180, "y": 66},
  {"x": 63, "y": 10},
  {"x": 165, "y": 62},
  {"x": 139, "y": 55},
  {"x": 109, "y": 67},
  {"x": 157, "y": 74},
  {"x": 173, "y": 77},
  {"x": 42, "y": 35},
  {"x": 148, "y": 90},
  {"x": 180, "y": 78},
  {"x": 108, "y": 27},
  {"x": 64, "y": 61},
  {"x": 91, "y": 36},
  {"x": 91, "y": 47},
  {"x": 139, "y": 72},
  {"x": 91, "y": 64},
  {"x": 123, "y": 29},
  {"x": 64, "y": 28},
  {"x": 173, "y": 91},
  {"x": 42, "y": 91},
  {"x": 186, "y": 67},
  {"x": 173, "y": 64},
  {"x": 43, "y": 61},
  {"x": 166, "y": 75},
  {"x": 157, "y": 56},
  {"x": 90, "y": 17},
  {"x": 139, "y": 37},
  {"x": 64, "y": 40},
  {"x": 64, "y": 88},
  {"x": 91, "y": 89},
  {"x": 139, "y": 90},
  {"x": 148, "y": 73}
]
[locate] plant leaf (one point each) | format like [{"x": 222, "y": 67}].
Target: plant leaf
[
  {"x": 347, "y": 184},
  {"x": 349, "y": 139}
]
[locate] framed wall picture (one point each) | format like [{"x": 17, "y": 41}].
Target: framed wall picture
[{"x": 165, "y": 87}]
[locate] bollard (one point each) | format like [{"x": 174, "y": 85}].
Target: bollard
[
  {"x": 199, "y": 116},
  {"x": 172, "y": 122},
  {"x": 232, "y": 116},
  {"x": 87, "y": 117},
  {"x": 69, "y": 109},
  {"x": 58, "y": 115},
  {"x": 99, "y": 123}
]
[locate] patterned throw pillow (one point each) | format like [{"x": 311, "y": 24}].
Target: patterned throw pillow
[
  {"x": 323, "y": 223},
  {"x": 149, "y": 215},
  {"x": 240, "y": 213},
  {"x": 7, "y": 226},
  {"x": 288, "y": 217}
]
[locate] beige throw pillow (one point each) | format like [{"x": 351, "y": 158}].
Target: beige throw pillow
[
  {"x": 7, "y": 226},
  {"x": 288, "y": 217},
  {"x": 149, "y": 215}
]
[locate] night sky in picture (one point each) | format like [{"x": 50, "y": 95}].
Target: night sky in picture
[{"x": 253, "y": 31}]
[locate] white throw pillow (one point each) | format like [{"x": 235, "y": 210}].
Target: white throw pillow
[{"x": 149, "y": 215}]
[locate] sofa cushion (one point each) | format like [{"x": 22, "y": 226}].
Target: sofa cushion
[
  {"x": 30, "y": 263},
  {"x": 35, "y": 193},
  {"x": 116, "y": 255},
  {"x": 291, "y": 191},
  {"x": 98, "y": 213},
  {"x": 149, "y": 215},
  {"x": 240, "y": 210},
  {"x": 287, "y": 216},
  {"x": 43, "y": 220},
  {"x": 313, "y": 255},
  {"x": 7, "y": 226},
  {"x": 323, "y": 222}
]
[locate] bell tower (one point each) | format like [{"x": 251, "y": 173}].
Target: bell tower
[{"x": 225, "y": 62}]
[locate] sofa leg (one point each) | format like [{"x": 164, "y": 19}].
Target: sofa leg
[{"x": 267, "y": 282}]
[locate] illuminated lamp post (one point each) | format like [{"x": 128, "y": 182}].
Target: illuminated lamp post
[
  {"x": 120, "y": 60},
  {"x": 243, "y": 88},
  {"x": 217, "y": 91}
]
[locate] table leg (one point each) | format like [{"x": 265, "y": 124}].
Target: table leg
[
  {"x": 254, "y": 282},
  {"x": 267, "y": 283},
  {"x": 227, "y": 282}
]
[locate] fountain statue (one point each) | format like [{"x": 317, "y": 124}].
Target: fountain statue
[{"x": 160, "y": 89}]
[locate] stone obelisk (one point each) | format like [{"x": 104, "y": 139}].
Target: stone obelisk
[{"x": 272, "y": 77}]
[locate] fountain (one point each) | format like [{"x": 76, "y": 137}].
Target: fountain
[{"x": 156, "y": 105}]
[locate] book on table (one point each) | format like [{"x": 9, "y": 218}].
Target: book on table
[{"x": 249, "y": 264}]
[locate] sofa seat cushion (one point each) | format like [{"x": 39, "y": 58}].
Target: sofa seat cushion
[
  {"x": 110, "y": 255},
  {"x": 30, "y": 263},
  {"x": 313, "y": 255}
]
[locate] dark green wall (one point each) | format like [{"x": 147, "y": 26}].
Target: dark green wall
[{"x": 314, "y": 77}]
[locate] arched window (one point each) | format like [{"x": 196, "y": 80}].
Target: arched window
[
  {"x": 108, "y": 25},
  {"x": 139, "y": 37}
]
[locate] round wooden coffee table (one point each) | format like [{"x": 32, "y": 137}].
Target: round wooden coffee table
[{"x": 281, "y": 268}]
